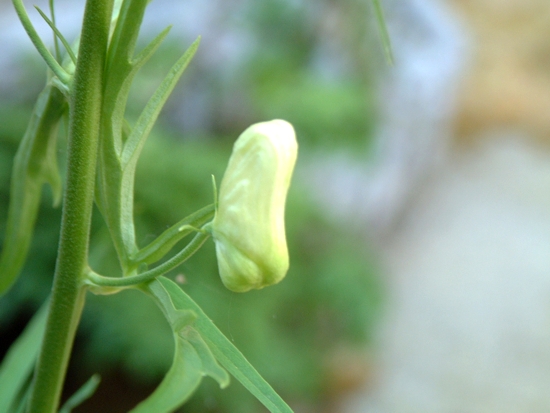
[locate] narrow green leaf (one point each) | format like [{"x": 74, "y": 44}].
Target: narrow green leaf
[
  {"x": 115, "y": 186},
  {"x": 55, "y": 39},
  {"x": 192, "y": 359},
  {"x": 179, "y": 384},
  {"x": 146, "y": 120},
  {"x": 81, "y": 395},
  {"x": 176, "y": 317},
  {"x": 34, "y": 164},
  {"x": 22, "y": 404},
  {"x": 119, "y": 75},
  {"x": 182, "y": 326},
  {"x": 19, "y": 362},
  {"x": 38, "y": 44},
  {"x": 122, "y": 81},
  {"x": 209, "y": 363},
  {"x": 386, "y": 41},
  {"x": 57, "y": 34},
  {"x": 142, "y": 57},
  {"x": 215, "y": 192},
  {"x": 122, "y": 67},
  {"x": 224, "y": 351},
  {"x": 123, "y": 40}
]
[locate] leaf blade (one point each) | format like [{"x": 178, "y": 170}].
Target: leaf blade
[
  {"x": 209, "y": 364},
  {"x": 57, "y": 35},
  {"x": 192, "y": 358},
  {"x": 145, "y": 122},
  {"x": 225, "y": 352},
  {"x": 179, "y": 383},
  {"x": 19, "y": 362},
  {"x": 82, "y": 394},
  {"x": 35, "y": 163},
  {"x": 56, "y": 68}
]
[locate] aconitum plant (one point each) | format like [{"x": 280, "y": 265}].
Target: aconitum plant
[{"x": 88, "y": 83}]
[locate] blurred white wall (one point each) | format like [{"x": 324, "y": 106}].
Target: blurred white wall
[
  {"x": 467, "y": 326},
  {"x": 467, "y": 261}
]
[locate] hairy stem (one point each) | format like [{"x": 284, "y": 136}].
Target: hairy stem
[{"x": 68, "y": 293}]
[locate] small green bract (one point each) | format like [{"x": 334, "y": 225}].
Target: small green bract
[{"x": 249, "y": 228}]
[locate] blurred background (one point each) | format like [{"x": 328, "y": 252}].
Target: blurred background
[{"x": 417, "y": 220}]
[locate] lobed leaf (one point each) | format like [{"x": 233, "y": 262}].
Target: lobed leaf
[
  {"x": 116, "y": 172},
  {"x": 179, "y": 384},
  {"x": 224, "y": 351},
  {"x": 209, "y": 363},
  {"x": 119, "y": 87},
  {"x": 35, "y": 164},
  {"x": 114, "y": 188},
  {"x": 126, "y": 30},
  {"x": 192, "y": 359}
]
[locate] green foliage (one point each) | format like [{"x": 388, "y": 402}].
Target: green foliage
[
  {"x": 52, "y": 63},
  {"x": 386, "y": 41},
  {"x": 18, "y": 364},
  {"x": 294, "y": 326},
  {"x": 282, "y": 76},
  {"x": 310, "y": 315},
  {"x": 34, "y": 165},
  {"x": 83, "y": 393},
  {"x": 325, "y": 114},
  {"x": 218, "y": 346}
]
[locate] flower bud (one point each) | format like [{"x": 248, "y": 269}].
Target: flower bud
[{"x": 248, "y": 228}]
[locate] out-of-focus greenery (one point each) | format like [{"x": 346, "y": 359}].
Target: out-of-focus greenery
[
  {"x": 309, "y": 69},
  {"x": 330, "y": 298},
  {"x": 307, "y": 62}
]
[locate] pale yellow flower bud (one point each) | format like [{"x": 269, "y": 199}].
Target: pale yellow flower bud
[{"x": 249, "y": 228}]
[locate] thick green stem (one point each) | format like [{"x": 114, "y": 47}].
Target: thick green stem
[{"x": 68, "y": 292}]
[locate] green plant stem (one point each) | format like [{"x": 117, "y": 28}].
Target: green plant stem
[
  {"x": 68, "y": 292},
  {"x": 42, "y": 49},
  {"x": 176, "y": 260}
]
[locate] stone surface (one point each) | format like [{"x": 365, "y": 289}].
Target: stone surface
[
  {"x": 467, "y": 327},
  {"x": 509, "y": 79}
]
